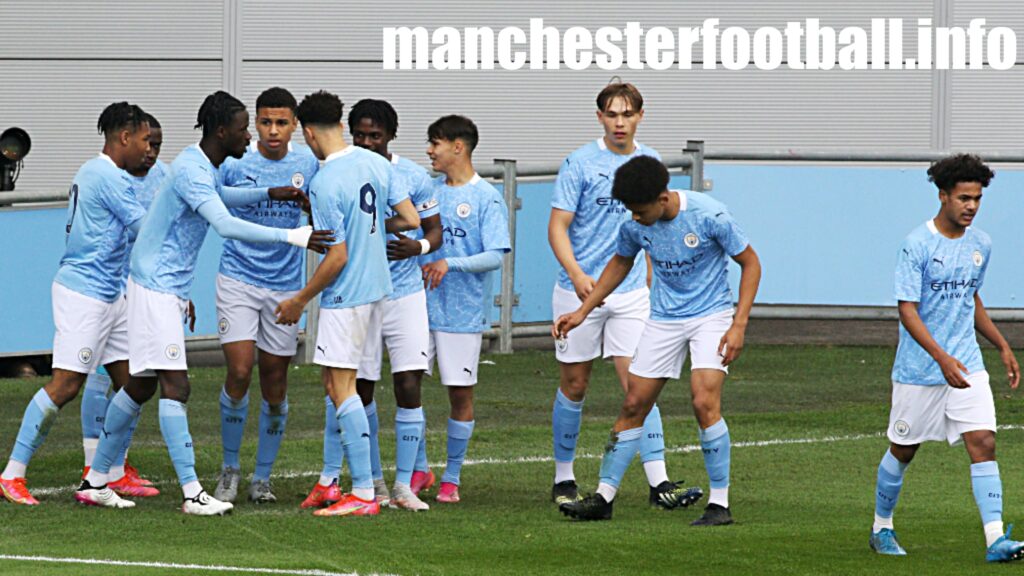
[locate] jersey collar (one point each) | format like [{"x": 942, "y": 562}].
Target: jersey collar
[
  {"x": 603, "y": 146},
  {"x": 682, "y": 199},
  {"x": 108, "y": 159},
  {"x": 343, "y": 152},
  {"x": 253, "y": 146},
  {"x": 394, "y": 159}
]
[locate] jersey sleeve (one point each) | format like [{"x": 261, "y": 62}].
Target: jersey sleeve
[
  {"x": 724, "y": 229},
  {"x": 568, "y": 186},
  {"x": 196, "y": 186},
  {"x": 423, "y": 196},
  {"x": 986, "y": 253},
  {"x": 396, "y": 192},
  {"x": 494, "y": 224},
  {"x": 909, "y": 272},
  {"x": 627, "y": 245},
  {"x": 122, "y": 202},
  {"x": 327, "y": 215}
]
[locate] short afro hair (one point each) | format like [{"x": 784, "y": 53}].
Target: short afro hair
[
  {"x": 952, "y": 170},
  {"x": 276, "y": 97},
  {"x": 320, "y": 108},
  {"x": 452, "y": 128},
  {"x": 380, "y": 112},
  {"x": 640, "y": 181}
]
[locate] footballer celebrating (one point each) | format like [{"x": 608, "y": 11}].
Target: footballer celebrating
[
  {"x": 690, "y": 239},
  {"x": 940, "y": 389}
]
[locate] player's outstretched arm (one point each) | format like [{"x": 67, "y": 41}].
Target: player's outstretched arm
[
  {"x": 289, "y": 311},
  {"x": 731, "y": 344},
  {"x": 406, "y": 218},
  {"x": 952, "y": 369},
  {"x": 230, "y": 227},
  {"x": 403, "y": 247},
  {"x": 614, "y": 273},
  {"x": 983, "y": 324},
  {"x": 235, "y": 197},
  {"x": 558, "y": 238}
]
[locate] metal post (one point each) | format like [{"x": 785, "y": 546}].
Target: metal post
[
  {"x": 508, "y": 298},
  {"x": 312, "y": 312},
  {"x": 695, "y": 150}
]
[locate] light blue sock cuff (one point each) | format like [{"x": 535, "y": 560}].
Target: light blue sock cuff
[
  {"x": 172, "y": 408},
  {"x": 42, "y": 399},
  {"x": 351, "y": 404},
  {"x": 715, "y": 431},
  {"x": 98, "y": 382},
  {"x": 328, "y": 402},
  {"x": 123, "y": 401},
  {"x": 460, "y": 430},
  {"x": 631, "y": 434},
  {"x": 226, "y": 400},
  {"x": 370, "y": 408},
  {"x": 413, "y": 415},
  {"x": 893, "y": 466},
  {"x": 562, "y": 400},
  {"x": 990, "y": 468}
]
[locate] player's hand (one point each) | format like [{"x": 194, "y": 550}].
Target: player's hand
[
  {"x": 731, "y": 344},
  {"x": 1012, "y": 368},
  {"x": 565, "y": 323},
  {"x": 953, "y": 370},
  {"x": 434, "y": 272},
  {"x": 290, "y": 311},
  {"x": 403, "y": 248},
  {"x": 584, "y": 285},
  {"x": 320, "y": 241},
  {"x": 289, "y": 194},
  {"x": 190, "y": 316}
]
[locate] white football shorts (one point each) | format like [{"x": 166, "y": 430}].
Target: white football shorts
[
  {"x": 922, "y": 413},
  {"x": 406, "y": 333},
  {"x": 663, "y": 345},
  {"x": 84, "y": 338},
  {"x": 156, "y": 331},
  {"x": 343, "y": 332},
  {"x": 614, "y": 328},
  {"x": 246, "y": 312},
  {"x": 458, "y": 356}
]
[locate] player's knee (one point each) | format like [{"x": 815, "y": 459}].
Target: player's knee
[
  {"x": 407, "y": 392},
  {"x": 575, "y": 387},
  {"x": 706, "y": 408},
  {"x": 365, "y": 390},
  {"x": 274, "y": 395},
  {"x": 239, "y": 376},
  {"x": 635, "y": 407}
]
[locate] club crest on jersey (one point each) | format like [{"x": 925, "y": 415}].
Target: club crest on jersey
[
  {"x": 463, "y": 210},
  {"x": 223, "y": 326},
  {"x": 85, "y": 355},
  {"x": 298, "y": 179},
  {"x": 173, "y": 352},
  {"x": 901, "y": 428},
  {"x": 691, "y": 240},
  {"x": 562, "y": 344},
  {"x": 978, "y": 258}
]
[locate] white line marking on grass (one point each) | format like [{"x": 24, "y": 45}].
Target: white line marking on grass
[
  {"x": 49, "y": 491},
  {"x": 172, "y": 566}
]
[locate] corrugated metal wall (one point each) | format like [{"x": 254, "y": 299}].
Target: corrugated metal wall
[{"x": 60, "y": 63}]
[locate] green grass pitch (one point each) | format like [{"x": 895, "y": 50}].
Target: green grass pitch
[{"x": 807, "y": 423}]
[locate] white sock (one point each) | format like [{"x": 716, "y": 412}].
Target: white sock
[
  {"x": 563, "y": 472},
  {"x": 993, "y": 530},
  {"x": 95, "y": 479},
  {"x": 89, "y": 446},
  {"x": 115, "y": 474},
  {"x": 14, "y": 470},
  {"x": 607, "y": 490},
  {"x": 656, "y": 473},
  {"x": 326, "y": 480},
  {"x": 192, "y": 489},
  {"x": 363, "y": 493},
  {"x": 719, "y": 496},
  {"x": 881, "y": 523}
]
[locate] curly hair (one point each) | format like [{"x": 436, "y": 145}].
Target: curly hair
[
  {"x": 950, "y": 171},
  {"x": 640, "y": 181}
]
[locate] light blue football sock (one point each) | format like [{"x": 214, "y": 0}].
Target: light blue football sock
[
  {"x": 233, "y": 414},
  {"x": 715, "y": 443},
  {"x": 174, "y": 427},
  {"x": 652, "y": 440},
  {"x": 422, "y": 465},
  {"x": 122, "y": 454},
  {"x": 355, "y": 438},
  {"x": 565, "y": 426},
  {"x": 334, "y": 454},
  {"x": 618, "y": 454},
  {"x": 459, "y": 434},
  {"x": 94, "y": 405},
  {"x": 272, "y": 423},
  {"x": 371, "y": 419},
  {"x": 408, "y": 429},
  {"x": 988, "y": 490},
  {"x": 122, "y": 413},
  {"x": 887, "y": 488},
  {"x": 40, "y": 414}
]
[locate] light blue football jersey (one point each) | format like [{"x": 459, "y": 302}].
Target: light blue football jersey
[
  {"x": 274, "y": 266},
  {"x": 942, "y": 275},
  {"x": 350, "y": 195},
  {"x": 101, "y": 207},
  {"x": 584, "y": 187},
  {"x": 414, "y": 180},
  {"x": 475, "y": 220},
  {"x": 690, "y": 254},
  {"x": 165, "y": 253},
  {"x": 145, "y": 188}
]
